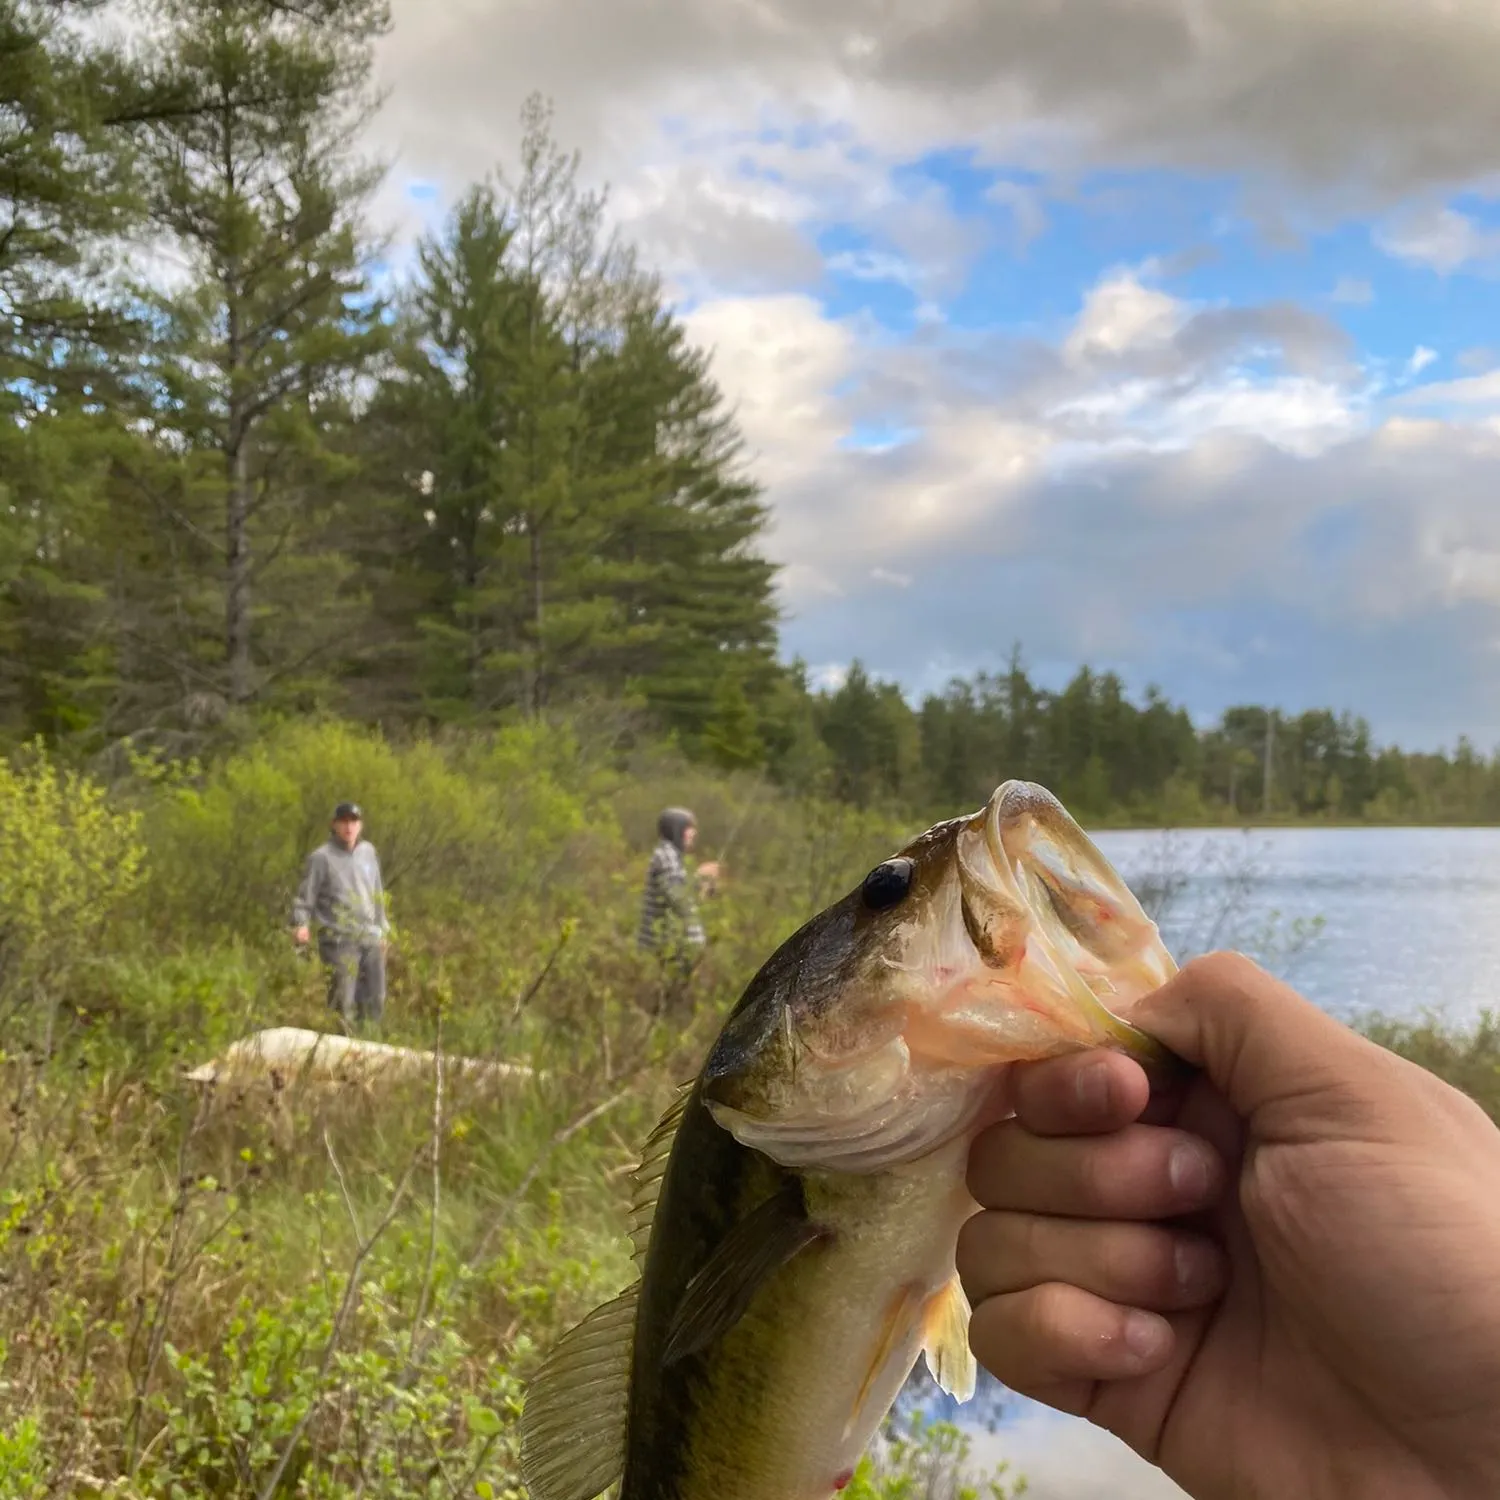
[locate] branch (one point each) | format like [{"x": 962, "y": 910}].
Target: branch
[
  {"x": 262, "y": 563},
  {"x": 172, "y": 513},
  {"x": 529, "y": 994}
]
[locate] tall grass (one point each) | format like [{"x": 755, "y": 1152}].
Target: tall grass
[{"x": 279, "y": 1285}]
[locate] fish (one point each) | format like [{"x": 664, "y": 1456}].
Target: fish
[{"x": 795, "y": 1214}]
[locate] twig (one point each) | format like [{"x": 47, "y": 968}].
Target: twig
[
  {"x": 734, "y": 833},
  {"x": 467, "y": 1483},
  {"x": 351, "y": 1290},
  {"x": 530, "y": 993},
  {"x": 175, "y": 1269}
]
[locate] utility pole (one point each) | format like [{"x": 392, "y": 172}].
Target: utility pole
[{"x": 1270, "y": 751}]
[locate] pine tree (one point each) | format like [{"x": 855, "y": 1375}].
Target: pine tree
[
  {"x": 695, "y": 593},
  {"x": 731, "y": 736},
  {"x": 68, "y": 193},
  {"x": 569, "y": 502},
  {"x": 254, "y": 183},
  {"x": 67, "y": 189},
  {"x": 446, "y": 564}
]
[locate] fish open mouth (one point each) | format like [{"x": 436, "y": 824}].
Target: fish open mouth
[{"x": 997, "y": 938}]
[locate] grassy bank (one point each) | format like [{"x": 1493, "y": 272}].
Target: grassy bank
[
  {"x": 224, "y": 1292},
  {"x": 281, "y": 1287}
]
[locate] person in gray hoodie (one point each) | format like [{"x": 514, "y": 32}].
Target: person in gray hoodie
[{"x": 342, "y": 893}]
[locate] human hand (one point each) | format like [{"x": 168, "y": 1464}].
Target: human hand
[
  {"x": 1281, "y": 1280},
  {"x": 302, "y": 937}
]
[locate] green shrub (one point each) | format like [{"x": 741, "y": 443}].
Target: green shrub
[
  {"x": 1468, "y": 1059},
  {"x": 454, "y": 828},
  {"x": 23, "y": 1461},
  {"x": 69, "y": 863},
  {"x": 917, "y": 1459}
]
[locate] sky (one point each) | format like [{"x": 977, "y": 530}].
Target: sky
[{"x": 1157, "y": 334}]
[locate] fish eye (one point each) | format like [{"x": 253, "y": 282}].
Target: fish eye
[{"x": 887, "y": 884}]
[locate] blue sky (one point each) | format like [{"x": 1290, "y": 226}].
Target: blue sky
[{"x": 1174, "y": 356}]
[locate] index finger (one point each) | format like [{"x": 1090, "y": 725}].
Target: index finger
[{"x": 1084, "y": 1093}]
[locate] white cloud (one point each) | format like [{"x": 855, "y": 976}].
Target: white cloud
[
  {"x": 1440, "y": 238},
  {"x": 1360, "y": 101},
  {"x": 1120, "y": 314},
  {"x": 986, "y": 430},
  {"x": 1083, "y": 507},
  {"x": 1472, "y": 391},
  {"x": 1102, "y": 487},
  {"x": 778, "y": 359},
  {"x": 1066, "y": 1458},
  {"x": 1421, "y": 357},
  {"x": 1352, "y": 291}
]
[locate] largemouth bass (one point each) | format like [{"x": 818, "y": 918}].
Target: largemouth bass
[{"x": 796, "y": 1213}]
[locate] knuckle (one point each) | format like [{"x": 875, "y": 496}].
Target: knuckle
[
  {"x": 974, "y": 1248},
  {"x": 1224, "y": 969},
  {"x": 992, "y": 1169},
  {"x": 1097, "y": 1169},
  {"x": 980, "y": 1171},
  {"x": 1119, "y": 1261},
  {"x": 1044, "y": 1312},
  {"x": 992, "y": 1336},
  {"x": 1034, "y": 1243}
]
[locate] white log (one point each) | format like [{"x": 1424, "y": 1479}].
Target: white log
[{"x": 323, "y": 1055}]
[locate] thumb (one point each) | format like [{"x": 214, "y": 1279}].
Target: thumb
[{"x": 1257, "y": 1039}]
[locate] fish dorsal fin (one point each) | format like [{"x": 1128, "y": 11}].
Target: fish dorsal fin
[
  {"x": 645, "y": 1181},
  {"x": 573, "y": 1420},
  {"x": 754, "y": 1249},
  {"x": 945, "y": 1341}
]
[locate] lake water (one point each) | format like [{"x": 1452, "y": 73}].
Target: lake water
[
  {"x": 1409, "y": 922},
  {"x": 1410, "y": 916}
]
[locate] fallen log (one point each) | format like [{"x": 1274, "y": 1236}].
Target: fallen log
[{"x": 324, "y": 1056}]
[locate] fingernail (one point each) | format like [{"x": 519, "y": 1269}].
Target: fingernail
[
  {"x": 1188, "y": 1169},
  {"x": 1197, "y": 1264},
  {"x": 1092, "y": 1084},
  {"x": 1146, "y": 1334}
]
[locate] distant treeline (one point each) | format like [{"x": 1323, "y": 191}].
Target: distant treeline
[
  {"x": 1111, "y": 758},
  {"x": 247, "y": 474}
]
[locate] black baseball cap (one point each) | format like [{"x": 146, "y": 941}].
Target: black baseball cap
[{"x": 348, "y": 810}]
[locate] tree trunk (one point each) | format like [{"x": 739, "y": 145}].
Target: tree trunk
[
  {"x": 537, "y": 687},
  {"x": 237, "y": 592},
  {"x": 236, "y": 466}
]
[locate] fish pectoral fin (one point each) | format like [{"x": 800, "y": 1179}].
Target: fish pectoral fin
[
  {"x": 573, "y": 1420},
  {"x": 945, "y": 1342},
  {"x": 904, "y": 1308},
  {"x": 758, "y": 1246}
]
